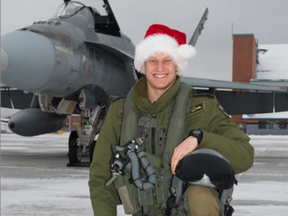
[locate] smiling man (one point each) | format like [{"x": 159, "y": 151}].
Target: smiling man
[
  {"x": 171, "y": 120},
  {"x": 160, "y": 71}
]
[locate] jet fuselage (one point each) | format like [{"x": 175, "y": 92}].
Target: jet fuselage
[{"x": 60, "y": 56}]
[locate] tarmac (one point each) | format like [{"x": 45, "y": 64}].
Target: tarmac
[{"x": 35, "y": 178}]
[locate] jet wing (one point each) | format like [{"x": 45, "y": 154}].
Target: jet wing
[
  {"x": 209, "y": 83},
  {"x": 243, "y": 98}
]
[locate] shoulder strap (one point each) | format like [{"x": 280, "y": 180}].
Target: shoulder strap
[
  {"x": 129, "y": 129},
  {"x": 178, "y": 121}
]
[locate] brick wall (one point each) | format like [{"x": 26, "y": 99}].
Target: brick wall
[{"x": 244, "y": 61}]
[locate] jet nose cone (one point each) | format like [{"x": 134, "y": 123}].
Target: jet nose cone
[
  {"x": 4, "y": 61},
  {"x": 27, "y": 60}
]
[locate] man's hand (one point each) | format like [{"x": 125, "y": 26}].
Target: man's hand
[{"x": 187, "y": 146}]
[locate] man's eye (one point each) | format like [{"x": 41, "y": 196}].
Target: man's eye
[
  {"x": 152, "y": 61},
  {"x": 167, "y": 61}
]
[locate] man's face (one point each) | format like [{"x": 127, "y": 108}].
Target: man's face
[{"x": 160, "y": 71}]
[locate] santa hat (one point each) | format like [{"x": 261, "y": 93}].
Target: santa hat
[{"x": 162, "y": 39}]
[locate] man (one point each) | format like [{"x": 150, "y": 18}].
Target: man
[{"x": 165, "y": 113}]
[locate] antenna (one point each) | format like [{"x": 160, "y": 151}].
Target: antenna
[{"x": 232, "y": 30}]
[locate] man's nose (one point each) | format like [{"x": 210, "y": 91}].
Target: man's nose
[{"x": 160, "y": 66}]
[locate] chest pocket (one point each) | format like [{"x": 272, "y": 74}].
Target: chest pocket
[{"x": 153, "y": 129}]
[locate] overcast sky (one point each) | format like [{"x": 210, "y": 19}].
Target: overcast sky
[{"x": 266, "y": 19}]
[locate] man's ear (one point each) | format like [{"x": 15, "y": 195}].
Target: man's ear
[
  {"x": 176, "y": 67},
  {"x": 143, "y": 68}
]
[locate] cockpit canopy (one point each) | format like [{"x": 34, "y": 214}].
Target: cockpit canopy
[{"x": 76, "y": 12}]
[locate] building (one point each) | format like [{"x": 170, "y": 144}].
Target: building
[{"x": 260, "y": 64}]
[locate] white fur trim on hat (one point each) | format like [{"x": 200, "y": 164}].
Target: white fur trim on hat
[{"x": 161, "y": 43}]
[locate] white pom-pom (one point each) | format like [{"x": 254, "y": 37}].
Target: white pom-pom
[{"x": 186, "y": 51}]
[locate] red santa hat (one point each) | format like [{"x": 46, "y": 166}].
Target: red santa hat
[{"x": 161, "y": 39}]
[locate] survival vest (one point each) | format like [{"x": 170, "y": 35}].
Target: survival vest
[{"x": 161, "y": 132}]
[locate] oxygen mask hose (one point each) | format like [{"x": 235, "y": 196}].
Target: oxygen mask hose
[
  {"x": 131, "y": 154},
  {"x": 149, "y": 170}
]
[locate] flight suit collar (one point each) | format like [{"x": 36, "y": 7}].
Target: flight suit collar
[{"x": 141, "y": 100}]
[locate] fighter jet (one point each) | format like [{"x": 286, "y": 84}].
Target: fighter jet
[{"x": 76, "y": 63}]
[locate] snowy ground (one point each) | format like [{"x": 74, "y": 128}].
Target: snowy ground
[{"x": 36, "y": 181}]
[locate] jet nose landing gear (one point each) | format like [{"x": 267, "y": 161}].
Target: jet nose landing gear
[
  {"x": 79, "y": 155},
  {"x": 75, "y": 152},
  {"x": 81, "y": 141}
]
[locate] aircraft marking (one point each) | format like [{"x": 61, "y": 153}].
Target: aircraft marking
[
  {"x": 197, "y": 108},
  {"x": 65, "y": 41},
  {"x": 62, "y": 49},
  {"x": 70, "y": 106}
]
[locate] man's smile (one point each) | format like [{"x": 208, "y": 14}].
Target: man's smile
[{"x": 160, "y": 75}]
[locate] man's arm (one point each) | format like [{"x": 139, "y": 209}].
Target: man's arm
[
  {"x": 220, "y": 134},
  {"x": 104, "y": 198}
]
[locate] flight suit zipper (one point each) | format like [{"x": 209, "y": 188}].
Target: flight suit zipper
[
  {"x": 153, "y": 148},
  {"x": 153, "y": 130}
]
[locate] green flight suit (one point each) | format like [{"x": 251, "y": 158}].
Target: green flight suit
[{"x": 219, "y": 133}]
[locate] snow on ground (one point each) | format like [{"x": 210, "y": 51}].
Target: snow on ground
[{"x": 36, "y": 181}]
